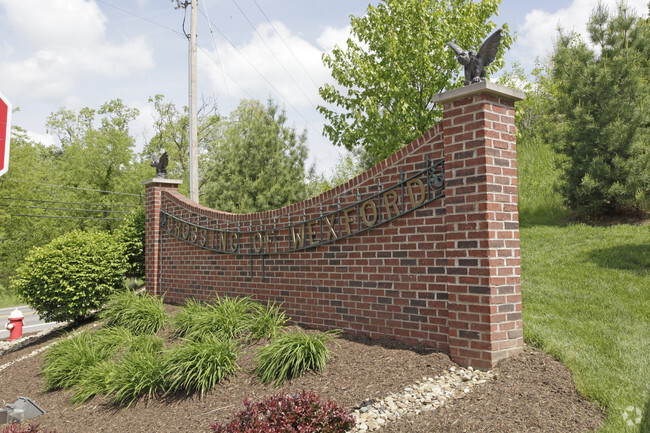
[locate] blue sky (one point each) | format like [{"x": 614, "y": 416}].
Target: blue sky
[{"x": 77, "y": 53}]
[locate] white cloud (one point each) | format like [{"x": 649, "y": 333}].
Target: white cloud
[
  {"x": 332, "y": 36},
  {"x": 538, "y": 32},
  {"x": 59, "y": 44},
  {"x": 46, "y": 139},
  {"x": 258, "y": 67}
]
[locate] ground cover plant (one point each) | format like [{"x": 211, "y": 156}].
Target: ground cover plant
[
  {"x": 140, "y": 313},
  {"x": 291, "y": 354},
  {"x": 301, "y": 412},
  {"x": 135, "y": 355},
  {"x": 230, "y": 318}
]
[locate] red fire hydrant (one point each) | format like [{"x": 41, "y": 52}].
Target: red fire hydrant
[{"x": 15, "y": 325}]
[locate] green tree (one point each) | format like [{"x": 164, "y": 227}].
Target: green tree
[
  {"x": 171, "y": 135},
  {"x": 603, "y": 114},
  {"x": 387, "y": 77},
  {"x": 22, "y": 193},
  {"x": 97, "y": 157},
  {"x": 51, "y": 190},
  {"x": 259, "y": 163},
  {"x": 348, "y": 166}
]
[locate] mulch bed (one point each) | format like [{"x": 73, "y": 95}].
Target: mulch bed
[{"x": 532, "y": 393}]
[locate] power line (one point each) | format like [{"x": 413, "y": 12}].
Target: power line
[
  {"x": 72, "y": 187},
  {"x": 274, "y": 55},
  {"x": 252, "y": 65},
  {"x": 56, "y": 216},
  {"x": 63, "y": 208},
  {"x": 216, "y": 50},
  {"x": 286, "y": 45},
  {"x": 68, "y": 202},
  {"x": 142, "y": 18},
  {"x": 207, "y": 53}
]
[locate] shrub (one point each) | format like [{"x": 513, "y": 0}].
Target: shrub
[
  {"x": 131, "y": 236},
  {"x": 71, "y": 276},
  {"x": 301, "y": 412},
  {"x": 225, "y": 318},
  {"x": 32, "y": 428},
  {"x": 266, "y": 322},
  {"x": 138, "y": 373},
  {"x": 199, "y": 365},
  {"x": 139, "y": 313},
  {"x": 291, "y": 354},
  {"x": 64, "y": 362},
  {"x": 93, "y": 381}
]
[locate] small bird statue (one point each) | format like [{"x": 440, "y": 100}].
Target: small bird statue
[
  {"x": 161, "y": 165},
  {"x": 474, "y": 63}
]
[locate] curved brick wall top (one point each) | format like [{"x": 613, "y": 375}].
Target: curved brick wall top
[{"x": 409, "y": 159}]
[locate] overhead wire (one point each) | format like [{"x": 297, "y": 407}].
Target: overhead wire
[
  {"x": 286, "y": 44},
  {"x": 274, "y": 55},
  {"x": 142, "y": 18},
  {"x": 67, "y": 202},
  {"x": 59, "y": 216},
  {"x": 252, "y": 65},
  {"x": 64, "y": 208},
  {"x": 72, "y": 187},
  {"x": 216, "y": 50}
]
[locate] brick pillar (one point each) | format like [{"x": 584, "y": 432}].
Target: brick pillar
[
  {"x": 482, "y": 238},
  {"x": 154, "y": 188}
]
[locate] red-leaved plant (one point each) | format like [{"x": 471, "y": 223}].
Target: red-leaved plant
[
  {"x": 302, "y": 412},
  {"x": 15, "y": 428}
]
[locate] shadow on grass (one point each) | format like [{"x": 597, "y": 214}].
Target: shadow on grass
[
  {"x": 542, "y": 216},
  {"x": 645, "y": 422},
  {"x": 634, "y": 258}
]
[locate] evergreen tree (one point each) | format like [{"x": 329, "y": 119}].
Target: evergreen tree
[
  {"x": 603, "y": 114},
  {"x": 259, "y": 163}
]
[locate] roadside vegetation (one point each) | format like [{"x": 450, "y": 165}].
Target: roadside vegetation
[{"x": 164, "y": 355}]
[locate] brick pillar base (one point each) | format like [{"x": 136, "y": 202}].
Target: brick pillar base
[
  {"x": 154, "y": 188},
  {"x": 482, "y": 239}
]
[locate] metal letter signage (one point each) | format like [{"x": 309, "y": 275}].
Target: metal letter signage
[
  {"x": 365, "y": 213},
  {"x": 5, "y": 133}
]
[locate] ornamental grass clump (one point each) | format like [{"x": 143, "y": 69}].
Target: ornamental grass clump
[
  {"x": 140, "y": 371},
  {"x": 198, "y": 365},
  {"x": 93, "y": 381},
  {"x": 266, "y": 322},
  {"x": 64, "y": 363},
  {"x": 291, "y": 354},
  {"x": 141, "y": 313},
  {"x": 225, "y": 318},
  {"x": 298, "y": 413}
]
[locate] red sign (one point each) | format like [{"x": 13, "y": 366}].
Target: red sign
[{"x": 5, "y": 133}]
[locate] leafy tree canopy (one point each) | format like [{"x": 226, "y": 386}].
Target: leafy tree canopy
[
  {"x": 171, "y": 135},
  {"x": 395, "y": 63},
  {"x": 259, "y": 163}
]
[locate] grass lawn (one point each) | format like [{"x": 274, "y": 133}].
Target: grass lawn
[{"x": 586, "y": 298}]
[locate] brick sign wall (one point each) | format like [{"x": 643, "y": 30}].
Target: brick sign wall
[{"x": 423, "y": 247}]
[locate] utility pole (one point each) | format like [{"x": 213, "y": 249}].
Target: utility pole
[{"x": 193, "y": 121}]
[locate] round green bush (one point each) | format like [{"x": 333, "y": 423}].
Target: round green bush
[{"x": 72, "y": 275}]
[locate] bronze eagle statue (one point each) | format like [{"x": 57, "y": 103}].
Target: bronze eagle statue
[
  {"x": 161, "y": 165},
  {"x": 475, "y": 63}
]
